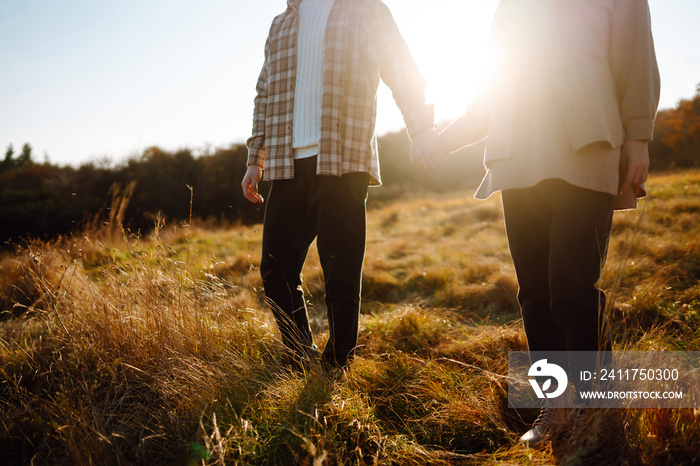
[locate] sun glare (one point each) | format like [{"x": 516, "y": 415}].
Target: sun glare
[{"x": 448, "y": 40}]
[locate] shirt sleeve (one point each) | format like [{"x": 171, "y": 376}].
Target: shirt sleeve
[
  {"x": 634, "y": 67},
  {"x": 390, "y": 53},
  {"x": 256, "y": 142}
]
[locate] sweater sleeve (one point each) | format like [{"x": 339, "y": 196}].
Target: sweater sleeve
[
  {"x": 634, "y": 67},
  {"x": 473, "y": 126},
  {"x": 390, "y": 53}
]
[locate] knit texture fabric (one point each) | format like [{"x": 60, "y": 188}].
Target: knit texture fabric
[
  {"x": 308, "y": 93},
  {"x": 540, "y": 147}
]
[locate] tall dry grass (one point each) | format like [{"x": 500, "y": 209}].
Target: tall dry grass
[{"x": 159, "y": 350}]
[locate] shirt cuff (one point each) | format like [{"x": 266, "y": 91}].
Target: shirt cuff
[
  {"x": 639, "y": 130},
  {"x": 420, "y": 120},
  {"x": 256, "y": 156}
]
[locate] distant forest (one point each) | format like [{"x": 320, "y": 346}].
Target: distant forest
[{"x": 45, "y": 200}]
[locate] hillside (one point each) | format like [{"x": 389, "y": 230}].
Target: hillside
[{"x": 159, "y": 350}]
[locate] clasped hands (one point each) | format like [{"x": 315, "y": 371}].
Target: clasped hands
[{"x": 428, "y": 151}]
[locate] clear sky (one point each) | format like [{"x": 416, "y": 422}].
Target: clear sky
[{"x": 82, "y": 80}]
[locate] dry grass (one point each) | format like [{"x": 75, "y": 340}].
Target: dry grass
[{"x": 159, "y": 350}]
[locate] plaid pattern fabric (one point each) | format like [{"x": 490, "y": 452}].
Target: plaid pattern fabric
[{"x": 362, "y": 44}]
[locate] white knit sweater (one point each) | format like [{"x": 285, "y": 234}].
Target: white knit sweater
[{"x": 308, "y": 93}]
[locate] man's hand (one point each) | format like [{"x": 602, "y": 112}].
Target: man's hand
[
  {"x": 250, "y": 184},
  {"x": 634, "y": 164},
  {"x": 427, "y": 150}
]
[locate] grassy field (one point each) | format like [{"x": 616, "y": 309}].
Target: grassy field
[{"x": 160, "y": 350}]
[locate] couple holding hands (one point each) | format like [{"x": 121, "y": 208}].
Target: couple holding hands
[{"x": 566, "y": 118}]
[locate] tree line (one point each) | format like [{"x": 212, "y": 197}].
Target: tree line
[
  {"x": 676, "y": 141},
  {"x": 10, "y": 162},
  {"x": 44, "y": 200}
]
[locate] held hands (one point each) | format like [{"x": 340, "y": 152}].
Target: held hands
[
  {"x": 634, "y": 164},
  {"x": 250, "y": 184},
  {"x": 428, "y": 151}
]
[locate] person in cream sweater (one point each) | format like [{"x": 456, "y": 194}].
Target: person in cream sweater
[{"x": 567, "y": 119}]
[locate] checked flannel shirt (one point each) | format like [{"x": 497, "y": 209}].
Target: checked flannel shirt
[{"x": 362, "y": 44}]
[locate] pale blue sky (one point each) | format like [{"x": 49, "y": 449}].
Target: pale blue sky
[{"x": 81, "y": 80}]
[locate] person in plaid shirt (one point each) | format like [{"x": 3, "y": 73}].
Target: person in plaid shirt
[{"x": 314, "y": 138}]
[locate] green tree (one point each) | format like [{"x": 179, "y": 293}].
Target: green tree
[
  {"x": 11, "y": 162},
  {"x": 25, "y": 157},
  {"x": 8, "y": 163}
]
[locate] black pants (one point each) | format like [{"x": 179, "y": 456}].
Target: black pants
[
  {"x": 331, "y": 209},
  {"x": 558, "y": 238}
]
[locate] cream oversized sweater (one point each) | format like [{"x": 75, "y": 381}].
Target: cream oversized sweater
[{"x": 574, "y": 80}]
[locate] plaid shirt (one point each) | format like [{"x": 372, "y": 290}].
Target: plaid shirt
[{"x": 362, "y": 43}]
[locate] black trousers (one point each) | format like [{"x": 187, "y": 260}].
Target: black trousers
[
  {"x": 333, "y": 210},
  {"x": 558, "y": 237}
]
